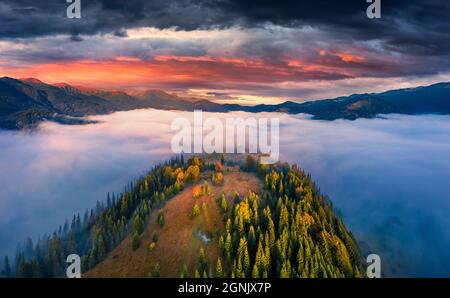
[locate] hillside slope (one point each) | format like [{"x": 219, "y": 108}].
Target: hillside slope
[
  {"x": 26, "y": 102},
  {"x": 434, "y": 99},
  {"x": 245, "y": 220},
  {"x": 179, "y": 240}
]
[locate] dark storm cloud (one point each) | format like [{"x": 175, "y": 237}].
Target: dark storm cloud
[
  {"x": 415, "y": 26},
  {"x": 28, "y": 18},
  {"x": 292, "y": 40},
  {"x": 422, "y": 26}
]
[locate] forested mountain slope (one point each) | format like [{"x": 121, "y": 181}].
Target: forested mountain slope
[
  {"x": 25, "y": 103},
  {"x": 205, "y": 218}
]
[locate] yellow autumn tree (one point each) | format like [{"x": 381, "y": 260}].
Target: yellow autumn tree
[{"x": 196, "y": 191}]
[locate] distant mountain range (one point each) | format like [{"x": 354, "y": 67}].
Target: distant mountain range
[{"x": 26, "y": 102}]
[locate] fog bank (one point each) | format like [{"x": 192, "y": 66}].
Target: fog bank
[{"x": 389, "y": 178}]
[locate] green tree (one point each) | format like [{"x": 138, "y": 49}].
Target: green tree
[
  {"x": 202, "y": 264},
  {"x": 228, "y": 246},
  {"x": 219, "y": 270},
  {"x": 161, "y": 218},
  {"x": 255, "y": 271},
  {"x": 205, "y": 188},
  {"x": 135, "y": 241},
  {"x": 156, "y": 270},
  {"x": 223, "y": 204},
  {"x": 195, "y": 211},
  {"x": 138, "y": 226},
  {"x": 184, "y": 272},
  {"x": 252, "y": 240}
]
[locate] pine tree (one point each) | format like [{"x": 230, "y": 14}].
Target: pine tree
[
  {"x": 271, "y": 231},
  {"x": 228, "y": 226},
  {"x": 221, "y": 245},
  {"x": 202, "y": 264},
  {"x": 223, "y": 204},
  {"x": 135, "y": 241},
  {"x": 284, "y": 271},
  {"x": 251, "y": 240},
  {"x": 184, "y": 272},
  {"x": 156, "y": 270},
  {"x": 255, "y": 271},
  {"x": 161, "y": 218},
  {"x": 195, "y": 211},
  {"x": 243, "y": 257},
  {"x": 228, "y": 247},
  {"x": 219, "y": 270},
  {"x": 300, "y": 259},
  {"x": 138, "y": 226}
]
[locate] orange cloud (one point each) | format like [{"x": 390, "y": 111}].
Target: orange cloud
[
  {"x": 350, "y": 58},
  {"x": 343, "y": 56},
  {"x": 127, "y": 59},
  {"x": 294, "y": 63},
  {"x": 172, "y": 72}
]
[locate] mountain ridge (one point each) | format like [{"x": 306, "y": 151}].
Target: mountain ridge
[{"x": 26, "y": 102}]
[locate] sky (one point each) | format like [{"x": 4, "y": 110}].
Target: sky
[{"x": 254, "y": 51}]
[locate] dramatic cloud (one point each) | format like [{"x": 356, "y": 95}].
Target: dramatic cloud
[
  {"x": 272, "y": 62},
  {"x": 404, "y": 22},
  {"x": 271, "y": 49}
]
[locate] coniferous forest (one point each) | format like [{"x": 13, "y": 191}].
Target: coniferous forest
[{"x": 289, "y": 230}]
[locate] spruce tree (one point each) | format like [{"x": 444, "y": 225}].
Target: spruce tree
[
  {"x": 202, "y": 261},
  {"x": 135, "y": 241},
  {"x": 219, "y": 270}
]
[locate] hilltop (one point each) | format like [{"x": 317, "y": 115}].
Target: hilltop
[{"x": 205, "y": 217}]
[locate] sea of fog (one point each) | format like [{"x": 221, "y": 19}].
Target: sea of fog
[{"x": 388, "y": 178}]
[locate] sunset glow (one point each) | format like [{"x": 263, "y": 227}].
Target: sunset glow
[{"x": 231, "y": 63}]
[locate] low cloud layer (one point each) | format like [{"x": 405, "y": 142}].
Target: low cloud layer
[{"x": 388, "y": 178}]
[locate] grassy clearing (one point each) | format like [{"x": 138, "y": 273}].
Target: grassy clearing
[{"x": 178, "y": 240}]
